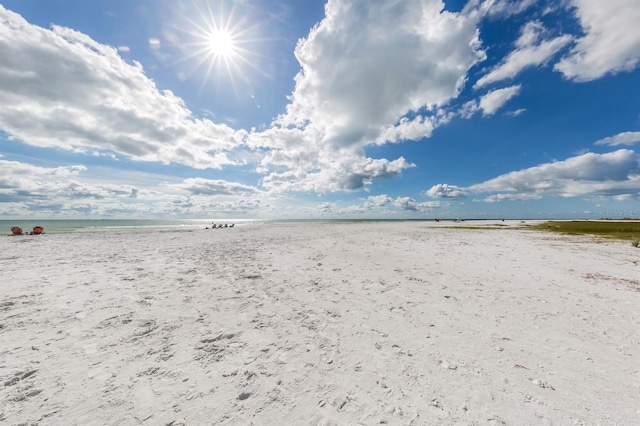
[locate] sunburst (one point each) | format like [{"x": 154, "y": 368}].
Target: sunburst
[{"x": 219, "y": 43}]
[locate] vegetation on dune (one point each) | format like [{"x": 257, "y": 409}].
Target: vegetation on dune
[{"x": 623, "y": 230}]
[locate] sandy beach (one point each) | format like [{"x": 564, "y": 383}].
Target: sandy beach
[{"x": 403, "y": 323}]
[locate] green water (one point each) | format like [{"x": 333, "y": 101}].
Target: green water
[
  {"x": 93, "y": 225},
  {"x": 61, "y": 226}
]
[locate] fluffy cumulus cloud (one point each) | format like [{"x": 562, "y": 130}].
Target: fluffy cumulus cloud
[
  {"x": 364, "y": 67},
  {"x": 408, "y": 203},
  {"x": 611, "y": 41},
  {"x": 531, "y": 50},
  {"x": 625, "y": 138},
  {"x": 378, "y": 201},
  {"x": 236, "y": 208},
  {"x": 204, "y": 197},
  {"x": 341, "y": 170},
  {"x": 368, "y": 63},
  {"x": 382, "y": 205},
  {"x": 413, "y": 129},
  {"x": 59, "y": 88},
  {"x": 615, "y": 174},
  {"x": 200, "y": 186},
  {"x": 74, "y": 191},
  {"x": 443, "y": 190},
  {"x": 52, "y": 190},
  {"x": 21, "y": 182}
]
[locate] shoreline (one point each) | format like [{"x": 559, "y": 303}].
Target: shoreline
[
  {"x": 69, "y": 226},
  {"x": 352, "y": 323}
]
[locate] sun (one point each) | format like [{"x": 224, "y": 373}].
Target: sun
[
  {"x": 221, "y": 43},
  {"x": 218, "y": 42}
]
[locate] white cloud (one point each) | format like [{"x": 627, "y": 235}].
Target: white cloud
[
  {"x": 364, "y": 67},
  {"x": 516, "y": 113},
  {"x": 530, "y": 34},
  {"x": 405, "y": 129},
  {"x": 377, "y": 201},
  {"x": 76, "y": 191},
  {"x": 347, "y": 173},
  {"x": 611, "y": 43},
  {"x": 59, "y": 88},
  {"x": 235, "y": 208},
  {"x": 408, "y": 203},
  {"x": 369, "y": 63},
  {"x": 495, "y": 99},
  {"x": 625, "y": 138},
  {"x": 54, "y": 188},
  {"x": 443, "y": 190},
  {"x": 496, "y": 198},
  {"x": 326, "y": 207},
  {"x": 612, "y": 174},
  {"x": 529, "y": 52},
  {"x": 469, "y": 109},
  {"x": 505, "y": 8},
  {"x": 378, "y": 206},
  {"x": 201, "y": 186}
]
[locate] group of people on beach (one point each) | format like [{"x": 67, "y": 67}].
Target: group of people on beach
[{"x": 214, "y": 226}]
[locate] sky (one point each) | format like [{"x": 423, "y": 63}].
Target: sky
[{"x": 279, "y": 109}]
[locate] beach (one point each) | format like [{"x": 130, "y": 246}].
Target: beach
[{"x": 399, "y": 323}]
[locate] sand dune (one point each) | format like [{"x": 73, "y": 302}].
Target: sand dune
[{"x": 337, "y": 324}]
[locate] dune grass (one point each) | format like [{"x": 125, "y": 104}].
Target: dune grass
[{"x": 621, "y": 230}]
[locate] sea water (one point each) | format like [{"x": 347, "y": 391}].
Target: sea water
[{"x": 61, "y": 226}]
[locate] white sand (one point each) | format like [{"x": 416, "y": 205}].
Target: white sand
[{"x": 345, "y": 324}]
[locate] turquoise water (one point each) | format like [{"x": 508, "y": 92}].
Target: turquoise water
[
  {"x": 92, "y": 225},
  {"x": 61, "y": 226}
]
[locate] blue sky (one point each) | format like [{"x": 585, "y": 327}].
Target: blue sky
[{"x": 338, "y": 109}]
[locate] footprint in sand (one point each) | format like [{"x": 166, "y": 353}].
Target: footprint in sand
[
  {"x": 436, "y": 408},
  {"x": 214, "y": 349}
]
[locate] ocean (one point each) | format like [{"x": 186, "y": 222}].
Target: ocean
[{"x": 61, "y": 226}]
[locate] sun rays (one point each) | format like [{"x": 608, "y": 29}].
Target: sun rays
[{"x": 220, "y": 44}]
